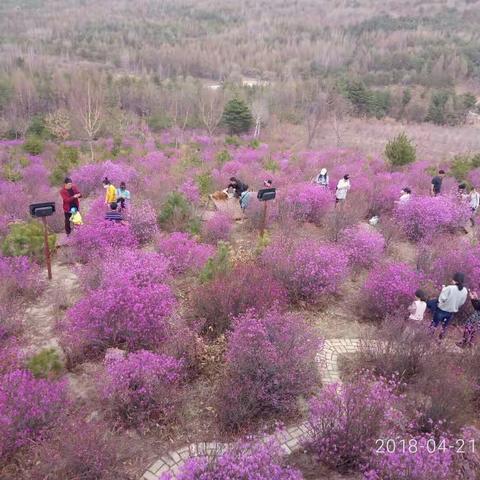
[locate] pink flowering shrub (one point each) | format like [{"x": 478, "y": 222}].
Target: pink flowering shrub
[
  {"x": 364, "y": 247},
  {"x": 219, "y": 227},
  {"x": 184, "y": 253},
  {"x": 89, "y": 177},
  {"x": 80, "y": 449},
  {"x": 270, "y": 362},
  {"x": 134, "y": 267},
  {"x": 421, "y": 458},
  {"x": 190, "y": 191},
  {"x": 141, "y": 387},
  {"x": 28, "y": 407},
  {"x": 11, "y": 354},
  {"x": 441, "y": 259},
  {"x": 424, "y": 217},
  {"x": 346, "y": 420},
  {"x": 308, "y": 202},
  {"x": 243, "y": 461},
  {"x": 227, "y": 296},
  {"x": 89, "y": 240},
  {"x": 308, "y": 269},
  {"x": 21, "y": 279},
  {"x": 142, "y": 220},
  {"x": 389, "y": 289},
  {"x": 119, "y": 315}
]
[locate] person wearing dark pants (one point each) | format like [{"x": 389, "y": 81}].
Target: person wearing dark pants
[
  {"x": 472, "y": 324},
  {"x": 70, "y": 197},
  {"x": 450, "y": 300},
  {"x": 436, "y": 186}
]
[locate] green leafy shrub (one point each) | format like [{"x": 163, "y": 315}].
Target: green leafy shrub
[
  {"x": 177, "y": 214},
  {"x": 37, "y": 127},
  {"x": 233, "y": 140},
  {"x": 255, "y": 143},
  {"x": 205, "y": 183},
  {"x": 460, "y": 166},
  {"x": 271, "y": 165},
  {"x": 219, "y": 264},
  {"x": 45, "y": 363},
  {"x": 237, "y": 116},
  {"x": 27, "y": 239},
  {"x": 400, "y": 151},
  {"x": 66, "y": 158},
  {"x": 223, "y": 156},
  {"x": 34, "y": 145}
]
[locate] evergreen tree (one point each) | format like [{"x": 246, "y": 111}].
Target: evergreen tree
[
  {"x": 237, "y": 117},
  {"x": 436, "y": 110},
  {"x": 400, "y": 151}
]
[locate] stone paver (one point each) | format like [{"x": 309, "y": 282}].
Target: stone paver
[{"x": 290, "y": 439}]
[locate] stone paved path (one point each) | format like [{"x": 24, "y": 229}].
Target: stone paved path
[{"x": 289, "y": 438}]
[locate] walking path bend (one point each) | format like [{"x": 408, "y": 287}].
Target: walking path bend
[{"x": 289, "y": 438}]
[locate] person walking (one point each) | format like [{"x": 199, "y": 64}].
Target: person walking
[
  {"x": 123, "y": 195},
  {"x": 449, "y": 302},
  {"x": 343, "y": 186},
  {"x": 474, "y": 203},
  {"x": 418, "y": 307},
  {"x": 472, "y": 324},
  {"x": 436, "y": 186},
  {"x": 110, "y": 191},
  {"x": 322, "y": 178},
  {"x": 70, "y": 198}
]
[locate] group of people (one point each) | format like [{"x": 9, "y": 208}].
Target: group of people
[
  {"x": 452, "y": 297},
  {"x": 116, "y": 199},
  {"x": 342, "y": 188},
  {"x": 240, "y": 190}
]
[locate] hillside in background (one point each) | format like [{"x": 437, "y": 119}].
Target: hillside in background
[{"x": 163, "y": 61}]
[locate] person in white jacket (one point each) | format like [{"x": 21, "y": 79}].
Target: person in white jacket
[
  {"x": 343, "y": 186},
  {"x": 450, "y": 300},
  {"x": 474, "y": 203}
]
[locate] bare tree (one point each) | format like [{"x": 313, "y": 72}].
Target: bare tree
[
  {"x": 211, "y": 103},
  {"x": 314, "y": 103},
  {"x": 337, "y": 109},
  {"x": 88, "y": 103},
  {"x": 260, "y": 114}
]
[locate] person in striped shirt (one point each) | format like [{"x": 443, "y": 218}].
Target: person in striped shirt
[{"x": 113, "y": 214}]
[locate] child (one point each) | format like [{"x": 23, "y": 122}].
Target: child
[
  {"x": 123, "y": 195},
  {"x": 75, "y": 217},
  {"x": 418, "y": 307}
]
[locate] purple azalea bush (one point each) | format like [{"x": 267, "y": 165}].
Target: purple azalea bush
[
  {"x": 364, "y": 247},
  {"x": 119, "y": 315},
  {"x": 346, "y": 419},
  {"x": 389, "y": 289},
  {"x": 125, "y": 265},
  {"x": 142, "y": 220},
  {"x": 219, "y": 227},
  {"x": 21, "y": 278},
  {"x": 184, "y": 253},
  {"x": 244, "y": 461},
  {"x": 141, "y": 387},
  {"x": 270, "y": 362},
  {"x": 28, "y": 408},
  {"x": 90, "y": 240},
  {"x": 309, "y": 203},
  {"x": 425, "y": 217},
  {"x": 308, "y": 268}
]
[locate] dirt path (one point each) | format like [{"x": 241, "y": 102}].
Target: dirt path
[{"x": 40, "y": 318}]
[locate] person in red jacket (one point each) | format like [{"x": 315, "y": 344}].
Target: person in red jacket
[{"x": 70, "y": 196}]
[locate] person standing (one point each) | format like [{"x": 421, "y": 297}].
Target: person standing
[
  {"x": 451, "y": 299},
  {"x": 123, "y": 195},
  {"x": 322, "y": 178},
  {"x": 70, "y": 197},
  {"x": 474, "y": 203},
  {"x": 472, "y": 324},
  {"x": 110, "y": 191},
  {"x": 343, "y": 186},
  {"x": 436, "y": 186}
]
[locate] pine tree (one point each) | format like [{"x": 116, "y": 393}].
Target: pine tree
[
  {"x": 400, "y": 151},
  {"x": 237, "y": 117}
]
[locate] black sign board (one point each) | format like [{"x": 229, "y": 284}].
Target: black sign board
[
  {"x": 266, "y": 194},
  {"x": 42, "y": 209}
]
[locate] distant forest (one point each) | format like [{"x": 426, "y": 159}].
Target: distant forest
[{"x": 160, "y": 60}]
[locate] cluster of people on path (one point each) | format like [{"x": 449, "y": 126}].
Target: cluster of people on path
[
  {"x": 342, "y": 188},
  {"x": 240, "y": 190},
  {"x": 443, "y": 308},
  {"x": 116, "y": 199}
]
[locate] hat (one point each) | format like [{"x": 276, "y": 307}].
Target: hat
[{"x": 323, "y": 171}]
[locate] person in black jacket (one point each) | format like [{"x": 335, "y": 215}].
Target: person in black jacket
[
  {"x": 473, "y": 323},
  {"x": 238, "y": 186}
]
